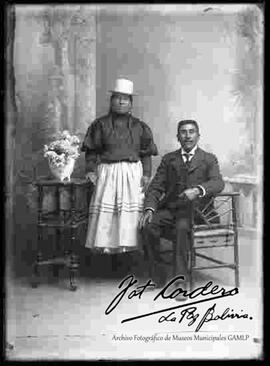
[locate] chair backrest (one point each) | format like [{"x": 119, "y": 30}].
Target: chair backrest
[{"x": 222, "y": 212}]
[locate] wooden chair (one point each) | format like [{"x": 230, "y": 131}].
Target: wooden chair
[{"x": 219, "y": 230}]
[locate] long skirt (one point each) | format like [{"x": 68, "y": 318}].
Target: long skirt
[{"x": 115, "y": 208}]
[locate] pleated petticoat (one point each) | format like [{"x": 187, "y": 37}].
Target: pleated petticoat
[{"x": 115, "y": 208}]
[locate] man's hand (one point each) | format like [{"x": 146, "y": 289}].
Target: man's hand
[
  {"x": 91, "y": 176},
  {"x": 145, "y": 182},
  {"x": 145, "y": 218},
  {"x": 190, "y": 193}
]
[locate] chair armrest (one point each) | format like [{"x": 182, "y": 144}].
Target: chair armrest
[{"x": 231, "y": 194}]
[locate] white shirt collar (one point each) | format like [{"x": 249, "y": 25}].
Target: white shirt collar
[{"x": 192, "y": 152}]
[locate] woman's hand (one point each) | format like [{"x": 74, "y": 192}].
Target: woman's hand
[
  {"x": 146, "y": 218},
  {"x": 92, "y": 177},
  {"x": 145, "y": 182}
]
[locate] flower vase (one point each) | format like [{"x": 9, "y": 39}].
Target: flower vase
[{"x": 63, "y": 172}]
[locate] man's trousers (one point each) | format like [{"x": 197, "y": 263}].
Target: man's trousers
[{"x": 172, "y": 225}]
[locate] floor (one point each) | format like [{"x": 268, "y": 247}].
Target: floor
[{"x": 53, "y": 323}]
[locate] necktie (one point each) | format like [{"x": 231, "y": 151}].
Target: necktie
[{"x": 187, "y": 156}]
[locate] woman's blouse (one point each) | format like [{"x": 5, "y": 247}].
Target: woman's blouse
[{"x": 110, "y": 139}]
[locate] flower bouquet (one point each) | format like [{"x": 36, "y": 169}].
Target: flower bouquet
[{"x": 61, "y": 155}]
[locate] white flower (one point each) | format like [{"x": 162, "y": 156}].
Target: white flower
[
  {"x": 61, "y": 150},
  {"x": 66, "y": 134}
]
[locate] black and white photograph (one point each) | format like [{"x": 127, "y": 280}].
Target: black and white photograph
[{"x": 134, "y": 181}]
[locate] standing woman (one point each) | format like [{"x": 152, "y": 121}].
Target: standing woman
[{"x": 118, "y": 149}]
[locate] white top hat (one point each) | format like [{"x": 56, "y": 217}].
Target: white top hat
[{"x": 123, "y": 86}]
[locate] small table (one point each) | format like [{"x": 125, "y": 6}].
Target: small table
[{"x": 70, "y": 217}]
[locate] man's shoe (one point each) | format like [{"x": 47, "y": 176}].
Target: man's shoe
[
  {"x": 180, "y": 298},
  {"x": 184, "y": 287}
]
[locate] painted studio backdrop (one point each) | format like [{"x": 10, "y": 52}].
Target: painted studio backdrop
[{"x": 204, "y": 65}]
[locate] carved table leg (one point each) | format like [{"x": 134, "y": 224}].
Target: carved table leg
[
  {"x": 56, "y": 267},
  {"x": 67, "y": 254},
  {"x": 74, "y": 259},
  {"x": 35, "y": 273},
  {"x": 73, "y": 263},
  {"x": 73, "y": 270}
]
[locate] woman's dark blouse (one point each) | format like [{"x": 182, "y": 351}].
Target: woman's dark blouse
[{"x": 110, "y": 139}]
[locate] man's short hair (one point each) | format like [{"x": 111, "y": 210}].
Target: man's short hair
[{"x": 187, "y": 121}]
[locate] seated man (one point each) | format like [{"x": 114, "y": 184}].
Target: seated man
[{"x": 182, "y": 176}]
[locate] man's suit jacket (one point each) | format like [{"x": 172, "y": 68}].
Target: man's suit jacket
[{"x": 173, "y": 177}]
